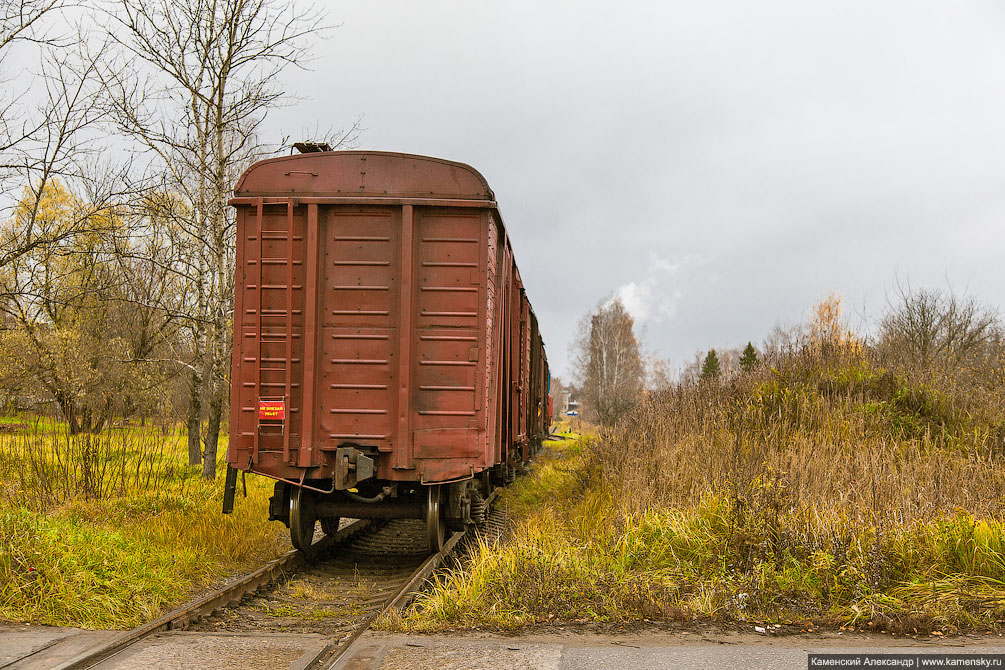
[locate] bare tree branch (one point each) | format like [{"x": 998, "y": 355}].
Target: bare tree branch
[{"x": 196, "y": 80}]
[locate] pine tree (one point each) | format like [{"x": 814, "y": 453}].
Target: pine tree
[
  {"x": 710, "y": 368},
  {"x": 748, "y": 361}
]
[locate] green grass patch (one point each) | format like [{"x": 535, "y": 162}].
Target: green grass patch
[
  {"x": 310, "y": 612},
  {"x": 119, "y": 551}
]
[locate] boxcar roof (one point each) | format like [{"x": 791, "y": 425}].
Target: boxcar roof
[
  {"x": 367, "y": 174},
  {"x": 381, "y": 174}
]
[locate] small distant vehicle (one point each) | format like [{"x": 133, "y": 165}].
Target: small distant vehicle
[
  {"x": 572, "y": 412},
  {"x": 387, "y": 362}
]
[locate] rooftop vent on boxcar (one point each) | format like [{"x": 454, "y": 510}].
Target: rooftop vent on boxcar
[{"x": 311, "y": 147}]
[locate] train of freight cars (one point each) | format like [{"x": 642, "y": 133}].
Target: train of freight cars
[{"x": 387, "y": 362}]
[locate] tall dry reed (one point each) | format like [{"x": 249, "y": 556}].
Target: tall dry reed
[{"x": 817, "y": 439}]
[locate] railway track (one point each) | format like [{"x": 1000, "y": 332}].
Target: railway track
[{"x": 338, "y": 592}]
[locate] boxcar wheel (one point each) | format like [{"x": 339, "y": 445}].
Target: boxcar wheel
[
  {"x": 435, "y": 531},
  {"x": 302, "y": 519}
]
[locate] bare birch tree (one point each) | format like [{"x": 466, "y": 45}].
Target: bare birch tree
[
  {"x": 608, "y": 362},
  {"x": 197, "y": 80}
]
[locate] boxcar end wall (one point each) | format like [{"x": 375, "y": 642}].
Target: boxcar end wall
[{"x": 382, "y": 332}]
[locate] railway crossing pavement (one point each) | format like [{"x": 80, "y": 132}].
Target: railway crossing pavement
[
  {"x": 43, "y": 648},
  {"x": 681, "y": 651},
  {"x": 561, "y": 650}
]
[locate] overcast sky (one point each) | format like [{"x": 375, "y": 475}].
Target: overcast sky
[{"x": 719, "y": 165}]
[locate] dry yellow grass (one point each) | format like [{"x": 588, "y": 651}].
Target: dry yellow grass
[{"x": 826, "y": 488}]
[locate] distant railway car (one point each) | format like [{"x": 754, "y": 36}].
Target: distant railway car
[{"x": 387, "y": 362}]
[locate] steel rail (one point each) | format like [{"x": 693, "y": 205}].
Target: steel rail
[
  {"x": 233, "y": 592},
  {"x": 227, "y": 595},
  {"x": 397, "y": 601}
]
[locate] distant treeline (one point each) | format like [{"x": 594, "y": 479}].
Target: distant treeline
[{"x": 931, "y": 333}]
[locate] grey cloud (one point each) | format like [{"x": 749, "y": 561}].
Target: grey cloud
[{"x": 796, "y": 147}]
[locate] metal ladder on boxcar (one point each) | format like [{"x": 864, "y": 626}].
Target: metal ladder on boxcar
[{"x": 280, "y": 312}]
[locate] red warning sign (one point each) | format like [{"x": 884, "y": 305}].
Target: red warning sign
[{"x": 271, "y": 410}]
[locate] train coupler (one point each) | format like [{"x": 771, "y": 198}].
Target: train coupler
[{"x": 352, "y": 466}]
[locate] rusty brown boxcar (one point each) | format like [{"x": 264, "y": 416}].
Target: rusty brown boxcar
[{"x": 387, "y": 362}]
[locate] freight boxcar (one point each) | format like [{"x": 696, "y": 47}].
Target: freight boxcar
[{"x": 387, "y": 362}]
